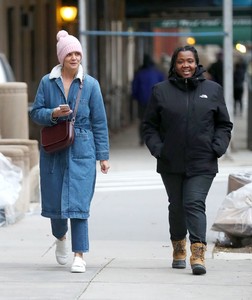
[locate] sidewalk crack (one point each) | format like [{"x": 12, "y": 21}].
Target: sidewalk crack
[{"x": 93, "y": 278}]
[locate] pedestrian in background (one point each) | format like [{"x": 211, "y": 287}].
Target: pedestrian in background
[
  {"x": 68, "y": 177},
  {"x": 187, "y": 128},
  {"x": 216, "y": 69},
  {"x": 239, "y": 77},
  {"x": 144, "y": 79}
]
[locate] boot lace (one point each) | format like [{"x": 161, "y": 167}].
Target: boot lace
[
  {"x": 179, "y": 248},
  {"x": 198, "y": 252}
]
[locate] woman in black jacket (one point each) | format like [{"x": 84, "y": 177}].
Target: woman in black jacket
[{"x": 187, "y": 128}]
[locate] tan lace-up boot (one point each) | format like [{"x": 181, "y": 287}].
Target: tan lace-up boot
[
  {"x": 197, "y": 258},
  {"x": 179, "y": 254}
]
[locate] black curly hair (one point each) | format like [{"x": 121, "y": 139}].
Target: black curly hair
[{"x": 175, "y": 55}]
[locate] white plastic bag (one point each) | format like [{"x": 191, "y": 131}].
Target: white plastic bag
[
  {"x": 234, "y": 217},
  {"x": 10, "y": 182}
]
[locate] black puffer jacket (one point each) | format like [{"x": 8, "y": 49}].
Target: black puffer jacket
[{"x": 187, "y": 125}]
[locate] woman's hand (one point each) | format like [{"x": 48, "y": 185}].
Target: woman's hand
[
  {"x": 61, "y": 111},
  {"x": 104, "y": 166}
]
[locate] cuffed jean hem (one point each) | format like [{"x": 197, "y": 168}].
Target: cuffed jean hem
[{"x": 79, "y": 232}]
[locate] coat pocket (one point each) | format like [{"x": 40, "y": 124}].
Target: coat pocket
[{"x": 83, "y": 146}]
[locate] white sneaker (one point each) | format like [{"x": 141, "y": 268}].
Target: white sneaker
[
  {"x": 61, "y": 251},
  {"x": 79, "y": 265}
]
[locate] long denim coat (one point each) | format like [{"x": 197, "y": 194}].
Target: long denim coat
[{"x": 68, "y": 177}]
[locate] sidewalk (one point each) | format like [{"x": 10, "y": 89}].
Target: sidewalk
[{"x": 130, "y": 256}]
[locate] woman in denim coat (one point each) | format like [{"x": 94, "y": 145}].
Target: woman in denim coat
[{"x": 68, "y": 176}]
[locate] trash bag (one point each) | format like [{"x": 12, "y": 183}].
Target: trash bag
[
  {"x": 234, "y": 217},
  {"x": 2, "y": 217},
  {"x": 238, "y": 180},
  {"x": 10, "y": 186}
]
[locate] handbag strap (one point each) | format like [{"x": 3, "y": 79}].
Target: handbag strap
[{"x": 77, "y": 100}]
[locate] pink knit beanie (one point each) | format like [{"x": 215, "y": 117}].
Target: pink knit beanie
[{"x": 67, "y": 44}]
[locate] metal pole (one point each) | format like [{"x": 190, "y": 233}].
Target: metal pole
[
  {"x": 228, "y": 54},
  {"x": 82, "y": 27},
  {"x": 149, "y": 33},
  {"x": 228, "y": 60}
]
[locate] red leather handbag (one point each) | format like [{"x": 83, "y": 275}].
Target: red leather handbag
[
  {"x": 57, "y": 137},
  {"x": 61, "y": 135}
]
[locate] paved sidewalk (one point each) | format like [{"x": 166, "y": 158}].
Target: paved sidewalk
[
  {"x": 130, "y": 256},
  {"x": 116, "y": 270}
]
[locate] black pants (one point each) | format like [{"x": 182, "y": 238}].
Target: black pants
[
  {"x": 187, "y": 197},
  {"x": 238, "y": 92},
  {"x": 141, "y": 113}
]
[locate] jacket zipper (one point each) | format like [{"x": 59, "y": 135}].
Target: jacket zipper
[{"x": 187, "y": 117}]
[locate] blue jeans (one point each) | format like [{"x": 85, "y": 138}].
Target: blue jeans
[
  {"x": 79, "y": 232},
  {"x": 187, "y": 197}
]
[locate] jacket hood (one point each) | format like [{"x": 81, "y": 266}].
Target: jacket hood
[{"x": 191, "y": 83}]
